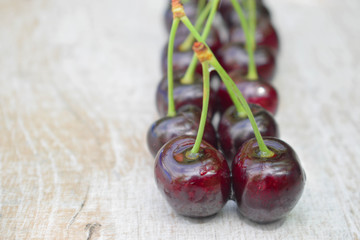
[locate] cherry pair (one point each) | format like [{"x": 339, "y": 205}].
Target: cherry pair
[{"x": 265, "y": 189}]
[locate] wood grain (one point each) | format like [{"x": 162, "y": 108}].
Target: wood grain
[{"x": 77, "y": 84}]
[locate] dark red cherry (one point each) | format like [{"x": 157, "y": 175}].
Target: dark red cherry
[
  {"x": 265, "y": 35},
  {"x": 183, "y": 123},
  {"x": 233, "y": 56},
  {"x": 257, "y": 92},
  {"x": 193, "y": 186},
  {"x": 267, "y": 189},
  {"x": 235, "y": 129},
  {"x": 182, "y": 59},
  {"x": 184, "y": 94}
]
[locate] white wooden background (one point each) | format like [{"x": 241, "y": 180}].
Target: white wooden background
[{"x": 77, "y": 84}]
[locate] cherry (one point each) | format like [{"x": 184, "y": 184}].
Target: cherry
[
  {"x": 194, "y": 185},
  {"x": 257, "y": 92},
  {"x": 265, "y": 35},
  {"x": 182, "y": 59},
  {"x": 267, "y": 188},
  {"x": 233, "y": 56},
  {"x": 184, "y": 94},
  {"x": 235, "y": 128},
  {"x": 185, "y": 122}
]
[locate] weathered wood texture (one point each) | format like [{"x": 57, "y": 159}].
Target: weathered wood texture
[{"x": 77, "y": 84}]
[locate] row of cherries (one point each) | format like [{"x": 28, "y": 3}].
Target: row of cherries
[
  {"x": 232, "y": 55},
  {"x": 193, "y": 175}
]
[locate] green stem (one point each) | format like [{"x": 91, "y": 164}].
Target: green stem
[
  {"x": 205, "y": 106},
  {"x": 252, "y": 71},
  {"x": 264, "y": 150},
  {"x": 242, "y": 19},
  {"x": 185, "y": 20},
  {"x": 252, "y": 20},
  {"x": 189, "y": 75},
  {"x": 199, "y": 38},
  {"x": 187, "y": 44},
  {"x": 171, "y": 103},
  {"x": 201, "y": 5},
  {"x": 210, "y": 19},
  {"x": 239, "y": 107}
]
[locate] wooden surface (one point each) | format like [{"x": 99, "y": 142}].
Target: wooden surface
[{"x": 77, "y": 85}]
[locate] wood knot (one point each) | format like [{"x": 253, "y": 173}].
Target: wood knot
[{"x": 92, "y": 229}]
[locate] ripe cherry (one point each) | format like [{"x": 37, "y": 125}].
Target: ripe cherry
[
  {"x": 185, "y": 122},
  {"x": 265, "y": 35},
  {"x": 184, "y": 94},
  {"x": 235, "y": 128},
  {"x": 256, "y": 92},
  {"x": 233, "y": 56},
  {"x": 267, "y": 188},
  {"x": 194, "y": 185}
]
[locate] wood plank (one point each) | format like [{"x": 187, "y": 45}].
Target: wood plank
[{"x": 77, "y": 84}]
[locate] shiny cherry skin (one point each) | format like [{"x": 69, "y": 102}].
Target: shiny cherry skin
[
  {"x": 193, "y": 186},
  {"x": 235, "y": 129},
  {"x": 233, "y": 56},
  {"x": 182, "y": 59},
  {"x": 256, "y": 92},
  {"x": 184, "y": 94},
  {"x": 267, "y": 189},
  {"x": 183, "y": 123},
  {"x": 265, "y": 36}
]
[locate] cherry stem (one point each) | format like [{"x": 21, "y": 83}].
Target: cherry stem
[
  {"x": 200, "y": 6},
  {"x": 237, "y": 104},
  {"x": 252, "y": 21},
  {"x": 242, "y": 19},
  {"x": 186, "y": 45},
  {"x": 170, "y": 76},
  {"x": 189, "y": 75},
  {"x": 249, "y": 29},
  {"x": 205, "y": 106},
  {"x": 252, "y": 71},
  {"x": 264, "y": 150}
]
